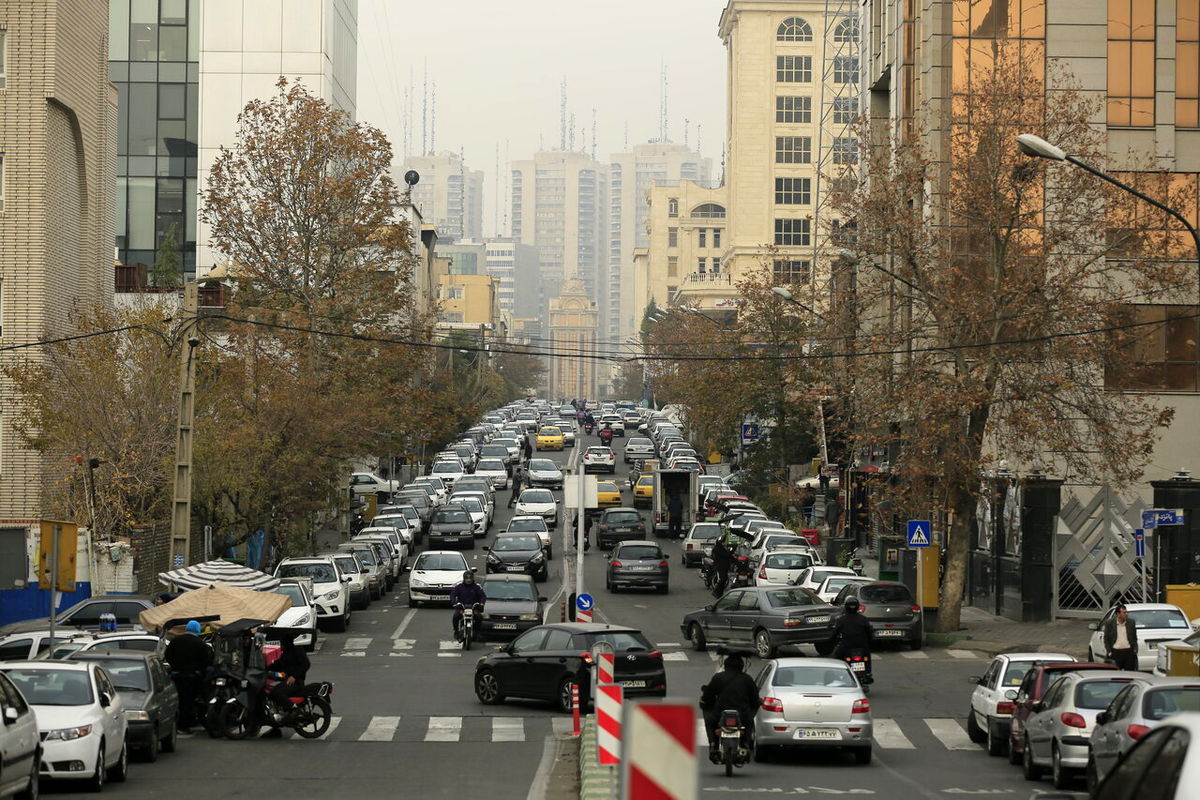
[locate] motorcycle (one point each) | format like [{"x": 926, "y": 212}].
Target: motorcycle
[
  {"x": 860, "y": 665},
  {"x": 309, "y": 713},
  {"x": 606, "y": 436},
  {"x": 855, "y": 563},
  {"x": 732, "y": 750},
  {"x": 466, "y": 625},
  {"x": 588, "y": 428}
]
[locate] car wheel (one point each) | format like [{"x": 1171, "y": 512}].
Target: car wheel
[
  {"x": 1062, "y": 776},
  {"x": 565, "y": 698},
  {"x": 31, "y": 790},
  {"x": 974, "y": 732},
  {"x": 696, "y": 636},
  {"x": 120, "y": 770},
  {"x": 150, "y": 754},
  {"x": 413, "y": 603},
  {"x": 916, "y": 643},
  {"x": 487, "y": 688},
  {"x": 763, "y": 646},
  {"x": 1031, "y": 771},
  {"x": 171, "y": 740},
  {"x": 995, "y": 745},
  {"x": 862, "y": 755},
  {"x": 96, "y": 782}
]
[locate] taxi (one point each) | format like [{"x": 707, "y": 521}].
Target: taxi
[
  {"x": 643, "y": 491},
  {"x": 550, "y": 438},
  {"x": 607, "y": 494}
]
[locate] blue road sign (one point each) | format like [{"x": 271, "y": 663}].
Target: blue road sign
[
  {"x": 1139, "y": 543},
  {"x": 750, "y": 431},
  {"x": 1149, "y": 519},
  {"x": 1157, "y": 517},
  {"x": 177, "y": 560},
  {"x": 584, "y": 602},
  {"x": 919, "y": 533}
]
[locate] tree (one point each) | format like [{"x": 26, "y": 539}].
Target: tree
[
  {"x": 167, "y": 271},
  {"x": 520, "y": 367},
  {"x": 989, "y": 305}
]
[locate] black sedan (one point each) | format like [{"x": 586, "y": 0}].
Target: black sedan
[
  {"x": 761, "y": 620},
  {"x": 518, "y": 552},
  {"x": 451, "y": 525},
  {"x": 148, "y": 695},
  {"x": 638, "y": 565},
  {"x": 618, "y": 525},
  {"x": 513, "y": 607},
  {"x": 546, "y": 662}
]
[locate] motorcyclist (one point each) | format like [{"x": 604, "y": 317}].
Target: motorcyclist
[
  {"x": 463, "y": 594},
  {"x": 852, "y": 632},
  {"x": 606, "y": 433},
  {"x": 292, "y": 667},
  {"x": 731, "y": 688},
  {"x": 722, "y": 559}
]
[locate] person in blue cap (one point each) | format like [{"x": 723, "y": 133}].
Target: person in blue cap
[{"x": 189, "y": 659}]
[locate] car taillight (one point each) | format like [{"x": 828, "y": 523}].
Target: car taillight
[
  {"x": 1004, "y": 707},
  {"x": 603, "y": 527},
  {"x": 1073, "y": 720},
  {"x": 586, "y": 656},
  {"x": 662, "y": 563},
  {"x": 1137, "y": 731},
  {"x": 862, "y": 706},
  {"x": 688, "y": 546},
  {"x": 617, "y": 564},
  {"x": 762, "y": 573},
  {"x": 862, "y": 609},
  {"x": 773, "y": 704},
  {"x": 655, "y": 654},
  {"x": 915, "y": 609}
]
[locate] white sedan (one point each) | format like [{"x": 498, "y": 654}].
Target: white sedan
[
  {"x": 434, "y": 574},
  {"x": 494, "y": 470},
  {"x": 830, "y": 587},
  {"x": 1156, "y": 623},
  {"x": 813, "y": 577},
  {"x": 538, "y": 503},
  {"x": 448, "y": 470}
]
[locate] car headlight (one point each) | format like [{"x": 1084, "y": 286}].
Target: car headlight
[
  {"x": 304, "y": 621},
  {"x": 135, "y": 715},
  {"x": 413, "y": 581},
  {"x": 493, "y": 558},
  {"x": 529, "y": 617},
  {"x": 68, "y": 734},
  {"x": 540, "y": 557},
  {"x": 334, "y": 595}
]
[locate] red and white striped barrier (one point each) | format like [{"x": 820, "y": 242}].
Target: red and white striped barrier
[
  {"x": 660, "y": 752},
  {"x": 576, "y": 728},
  {"x": 583, "y": 616},
  {"x": 609, "y": 699},
  {"x": 605, "y": 668}
]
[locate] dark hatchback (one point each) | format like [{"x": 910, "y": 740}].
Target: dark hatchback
[
  {"x": 148, "y": 695},
  {"x": 890, "y": 607},
  {"x": 513, "y": 607},
  {"x": 520, "y": 553},
  {"x": 545, "y": 662},
  {"x": 451, "y": 525},
  {"x": 619, "y": 525},
  {"x": 418, "y": 500},
  {"x": 761, "y": 620},
  {"x": 638, "y": 565}
]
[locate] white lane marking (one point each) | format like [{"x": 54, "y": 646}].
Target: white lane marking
[
  {"x": 701, "y": 732},
  {"x": 444, "y": 729},
  {"x": 962, "y": 654},
  {"x": 403, "y": 626},
  {"x": 449, "y": 654},
  {"x": 358, "y": 643},
  {"x": 333, "y": 723},
  {"x": 675, "y": 656},
  {"x": 888, "y": 735},
  {"x": 912, "y": 654},
  {"x": 951, "y": 734},
  {"x": 508, "y": 729},
  {"x": 380, "y": 729},
  {"x": 562, "y": 725},
  {"x": 669, "y": 644}
]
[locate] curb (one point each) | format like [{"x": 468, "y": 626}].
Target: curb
[{"x": 596, "y": 782}]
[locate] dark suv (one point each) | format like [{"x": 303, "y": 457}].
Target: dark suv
[
  {"x": 619, "y": 525},
  {"x": 451, "y": 524},
  {"x": 638, "y": 565},
  {"x": 891, "y": 609}
]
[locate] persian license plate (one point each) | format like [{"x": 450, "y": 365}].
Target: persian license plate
[
  {"x": 643, "y": 568},
  {"x": 818, "y": 733},
  {"x": 858, "y": 666},
  {"x": 633, "y": 684},
  {"x": 889, "y": 632},
  {"x": 505, "y": 626},
  {"x": 818, "y": 620},
  {"x": 515, "y": 568},
  {"x": 624, "y": 530},
  {"x": 453, "y": 538}
]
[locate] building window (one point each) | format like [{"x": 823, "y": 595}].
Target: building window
[
  {"x": 845, "y": 150},
  {"x": 793, "y": 191},
  {"x": 792, "y": 232},
  {"x": 793, "y": 69},
  {"x": 672, "y": 237},
  {"x": 1165, "y": 355},
  {"x": 3, "y": 58},
  {"x": 794, "y": 29},
  {"x": 1187, "y": 64},
  {"x": 845, "y": 109},
  {"x": 1, "y": 181},
  {"x": 793, "y": 149},
  {"x": 703, "y": 232},
  {"x": 709, "y": 211},
  {"x": 716, "y": 237},
  {"x": 846, "y": 31},
  {"x": 453, "y": 316},
  {"x": 672, "y": 266},
  {"x": 793, "y": 271},
  {"x": 1131, "y": 63},
  {"x": 716, "y": 265},
  {"x": 701, "y": 265},
  {"x": 845, "y": 69},
  {"x": 793, "y": 109},
  {"x": 673, "y": 207}
]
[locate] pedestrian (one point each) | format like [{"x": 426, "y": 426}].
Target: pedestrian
[
  {"x": 587, "y": 529},
  {"x": 1120, "y": 639},
  {"x": 675, "y": 511},
  {"x": 527, "y": 450},
  {"x": 518, "y": 479},
  {"x": 189, "y": 658}
]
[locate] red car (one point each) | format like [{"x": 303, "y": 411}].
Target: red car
[{"x": 1035, "y": 684}]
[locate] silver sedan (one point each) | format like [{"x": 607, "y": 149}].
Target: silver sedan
[
  {"x": 1131, "y": 715},
  {"x": 812, "y": 702}
]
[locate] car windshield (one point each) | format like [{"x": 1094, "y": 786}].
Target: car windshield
[
  {"x": 772, "y": 542},
  {"x": 1159, "y": 618},
  {"x": 622, "y": 518},
  {"x": 320, "y": 573},
  {"x": 472, "y": 504},
  {"x": 126, "y": 674},
  {"x": 833, "y": 677},
  {"x": 497, "y": 450},
  {"x": 349, "y": 565},
  {"x": 53, "y": 687},
  {"x": 789, "y": 561},
  {"x": 549, "y": 432},
  {"x": 441, "y": 561},
  {"x": 365, "y": 555},
  {"x": 783, "y": 598},
  {"x": 605, "y": 486},
  {"x": 1097, "y": 694},
  {"x": 490, "y": 465},
  {"x": 646, "y": 480},
  {"x": 885, "y": 593},
  {"x": 293, "y": 592},
  {"x": 637, "y": 441},
  {"x": 391, "y": 521},
  {"x": 446, "y": 468},
  {"x": 537, "y": 496},
  {"x": 542, "y": 465},
  {"x": 1016, "y": 672},
  {"x": 598, "y": 451},
  {"x": 452, "y": 515},
  {"x": 706, "y": 531},
  {"x": 509, "y": 543},
  {"x": 529, "y": 524},
  {"x": 620, "y": 640},
  {"x": 639, "y": 551},
  {"x": 1160, "y": 703}
]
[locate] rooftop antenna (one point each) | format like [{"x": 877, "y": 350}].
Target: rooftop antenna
[
  {"x": 425, "y": 112},
  {"x": 562, "y": 115},
  {"x": 593, "y": 133},
  {"x": 686, "y": 124},
  {"x": 699, "y": 127},
  {"x": 626, "y": 136},
  {"x": 572, "y": 131},
  {"x": 433, "y": 120},
  {"x": 507, "y": 188},
  {"x": 496, "y": 195}
]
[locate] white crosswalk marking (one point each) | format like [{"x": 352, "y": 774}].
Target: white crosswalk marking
[
  {"x": 508, "y": 729},
  {"x": 675, "y": 656},
  {"x": 380, "y": 729},
  {"x": 358, "y": 643},
  {"x": 888, "y": 735},
  {"x": 951, "y": 734},
  {"x": 562, "y": 725},
  {"x": 961, "y": 654},
  {"x": 912, "y": 654},
  {"x": 333, "y": 723},
  {"x": 444, "y": 729}
]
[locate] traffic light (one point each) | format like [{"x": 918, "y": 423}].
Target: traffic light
[{"x": 67, "y": 534}]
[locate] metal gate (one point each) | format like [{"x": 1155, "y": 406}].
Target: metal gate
[{"x": 1094, "y": 551}]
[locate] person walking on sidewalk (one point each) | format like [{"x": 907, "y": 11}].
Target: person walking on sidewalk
[{"x": 1120, "y": 640}]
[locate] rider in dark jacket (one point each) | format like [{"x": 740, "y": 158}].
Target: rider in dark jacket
[
  {"x": 293, "y": 664},
  {"x": 722, "y": 560},
  {"x": 731, "y": 688},
  {"x": 852, "y": 631},
  {"x": 467, "y": 593}
]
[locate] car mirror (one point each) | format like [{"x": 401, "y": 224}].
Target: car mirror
[
  {"x": 975, "y": 679},
  {"x": 105, "y": 700},
  {"x": 1093, "y": 626},
  {"x": 10, "y": 715},
  {"x": 709, "y": 608},
  {"x": 346, "y": 579},
  {"x": 474, "y": 569},
  {"x": 1102, "y": 718},
  {"x": 1011, "y": 694},
  {"x": 487, "y": 549},
  {"x": 1038, "y": 706}
]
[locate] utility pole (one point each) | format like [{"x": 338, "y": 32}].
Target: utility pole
[{"x": 181, "y": 511}]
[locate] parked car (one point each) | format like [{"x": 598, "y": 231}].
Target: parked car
[
  {"x": 370, "y": 483},
  {"x": 1136, "y": 709},
  {"x": 330, "y": 587},
  {"x": 86, "y": 614},
  {"x": 303, "y": 613},
  {"x": 434, "y": 574},
  {"x": 118, "y": 642},
  {"x": 80, "y": 717},
  {"x": 617, "y": 525},
  {"x": 812, "y": 703},
  {"x": 20, "y": 744},
  {"x": 539, "y": 503},
  {"x": 532, "y": 524},
  {"x": 149, "y": 696},
  {"x": 699, "y": 540},
  {"x": 520, "y": 553},
  {"x": 1033, "y": 687},
  {"x": 359, "y": 583},
  {"x": 599, "y": 459},
  {"x": 782, "y": 567},
  {"x": 1163, "y": 762},
  {"x": 1155, "y": 622},
  {"x": 813, "y": 577},
  {"x": 638, "y": 565},
  {"x": 638, "y": 447},
  {"x": 546, "y": 662},
  {"x": 452, "y": 524},
  {"x": 891, "y": 609},
  {"x": 990, "y": 715},
  {"x": 761, "y": 620},
  {"x": 392, "y": 538},
  {"x": 32, "y": 644},
  {"x": 375, "y": 569}
]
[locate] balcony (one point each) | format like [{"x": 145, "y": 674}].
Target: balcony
[
  {"x": 706, "y": 290},
  {"x": 723, "y": 278}
]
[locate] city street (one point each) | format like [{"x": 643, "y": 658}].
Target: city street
[{"x": 407, "y": 720}]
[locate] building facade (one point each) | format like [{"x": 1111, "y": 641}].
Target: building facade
[
  {"x": 514, "y": 266},
  {"x": 449, "y": 195},
  {"x": 574, "y": 321},
  {"x": 58, "y": 144},
  {"x": 681, "y": 263}
]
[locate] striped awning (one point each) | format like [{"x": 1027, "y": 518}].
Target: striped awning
[{"x": 218, "y": 571}]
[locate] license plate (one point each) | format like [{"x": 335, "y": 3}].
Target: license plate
[
  {"x": 858, "y": 666},
  {"x": 818, "y": 733},
  {"x": 451, "y": 538},
  {"x": 818, "y": 620},
  {"x": 515, "y": 568},
  {"x": 634, "y": 684},
  {"x": 624, "y": 530},
  {"x": 889, "y": 632},
  {"x": 505, "y": 626},
  {"x": 640, "y": 568}
]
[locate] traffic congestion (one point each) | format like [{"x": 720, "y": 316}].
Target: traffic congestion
[{"x": 447, "y": 618}]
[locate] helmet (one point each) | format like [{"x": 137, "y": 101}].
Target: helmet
[
  {"x": 193, "y": 627},
  {"x": 735, "y": 662},
  {"x": 468, "y": 575},
  {"x": 852, "y": 605}
]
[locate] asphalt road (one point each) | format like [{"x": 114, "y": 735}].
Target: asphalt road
[{"x": 407, "y": 721}]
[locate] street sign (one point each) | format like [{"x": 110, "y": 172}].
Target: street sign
[
  {"x": 1167, "y": 516},
  {"x": 584, "y": 602},
  {"x": 1139, "y": 543},
  {"x": 919, "y": 533},
  {"x": 750, "y": 432},
  {"x": 177, "y": 560}
]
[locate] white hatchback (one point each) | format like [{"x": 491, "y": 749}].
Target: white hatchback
[
  {"x": 780, "y": 568},
  {"x": 992, "y": 701},
  {"x": 538, "y": 503},
  {"x": 434, "y": 574},
  {"x": 813, "y": 577},
  {"x": 1156, "y": 623}
]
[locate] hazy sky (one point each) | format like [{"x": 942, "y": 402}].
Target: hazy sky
[{"x": 498, "y": 67}]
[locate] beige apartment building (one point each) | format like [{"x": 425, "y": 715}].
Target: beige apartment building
[
  {"x": 58, "y": 115},
  {"x": 574, "y": 321},
  {"x": 682, "y": 262},
  {"x": 449, "y": 194}
]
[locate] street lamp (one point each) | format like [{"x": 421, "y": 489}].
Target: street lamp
[
  {"x": 697, "y": 312},
  {"x": 786, "y": 294}
]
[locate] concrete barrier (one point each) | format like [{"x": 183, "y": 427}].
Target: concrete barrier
[{"x": 596, "y": 782}]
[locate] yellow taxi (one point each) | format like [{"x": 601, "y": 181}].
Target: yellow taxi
[
  {"x": 550, "y": 438},
  {"x": 607, "y": 494},
  {"x": 643, "y": 491}
]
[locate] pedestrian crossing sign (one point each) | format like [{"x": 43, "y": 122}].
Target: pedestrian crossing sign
[{"x": 918, "y": 532}]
